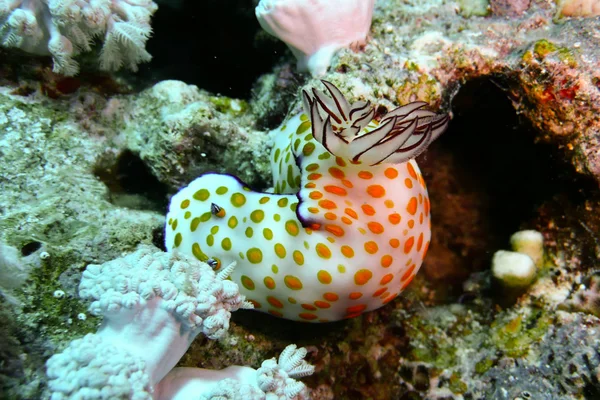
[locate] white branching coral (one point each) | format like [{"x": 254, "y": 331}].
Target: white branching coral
[
  {"x": 66, "y": 28},
  {"x": 315, "y": 29},
  {"x": 154, "y": 304}
]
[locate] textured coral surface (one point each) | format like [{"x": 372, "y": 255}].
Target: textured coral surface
[{"x": 86, "y": 175}]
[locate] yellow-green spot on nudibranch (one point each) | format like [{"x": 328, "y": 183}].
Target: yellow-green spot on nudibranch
[
  {"x": 247, "y": 282},
  {"x": 178, "y": 239},
  {"x": 226, "y": 244},
  {"x": 198, "y": 253},
  {"x": 257, "y": 216},
  {"x": 291, "y": 227},
  {"x": 292, "y": 282},
  {"x": 238, "y": 199},
  {"x": 341, "y": 233},
  {"x": 254, "y": 255},
  {"x": 280, "y": 250},
  {"x": 267, "y": 233},
  {"x": 282, "y": 202},
  {"x": 201, "y": 195}
]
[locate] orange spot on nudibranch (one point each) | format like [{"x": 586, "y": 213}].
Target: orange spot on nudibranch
[
  {"x": 386, "y": 279},
  {"x": 346, "y": 220},
  {"x": 308, "y": 316},
  {"x": 355, "y": 295},
  {"x": 315, "y": 195},
  {"x": 408, "y": 281},
  {"x": 336, "y": 230},
  {"x": 340, "y": 161},
  {"x": 329, "y": 296},
  {"x": 365, "y": 175},
  {"x": 371, "y": 247},
  {"x": 323, "y": 251},
  {"x": 322, "y": 304},
  {"x": 408, "y": 272},
  {"x": 412, "y": 206},
  {"x": 274, "y": 302},
  {"x": 420, "y": 242},
  {"x": 411, "y": 170},
  {"x": 347, "y": 251},
  {"x": 409, "y": 244},
  {"x": 327, "y": 204},
  {"x": 362, "y": 276},
  {"x": 376, "y": 191},
  {"x": 351, "y": 213},
  {"x": 367, "y": 209},
  {"x": 330, "y": 216},
  {"x": 375, "y": 227},
  {"x": 339, "y": 191},
  {"x": 309, "y": 307},
  {"x": 391, "y": 173},
  {"x": 394, "y": 243},
  {"x": 386, "y": 261},
  {"x": 408, "y": 183},
  {"x": 324, "y": 277},
  {"x": 394, "y": 218},
  {"x": 379, "y": 292},
  {"x": 347, "y": 183},
  {"x": 389, "y": 298},
  {"x": 356, "y": 309},
  {"x": 336, "y": 173}
]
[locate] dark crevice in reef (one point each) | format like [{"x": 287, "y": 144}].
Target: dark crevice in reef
[
  {"x": 487, "y": 178},
  {"x": 132, "y": 185},
  {"x": 217, "y": 45}
]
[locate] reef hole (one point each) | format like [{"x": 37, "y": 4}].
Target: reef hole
[
  {"x": 30, "y": 248},
  {"x": 486, "y": 177},
  {"x": 217, "y": 45},
  {"x": 131, "y": 183}
]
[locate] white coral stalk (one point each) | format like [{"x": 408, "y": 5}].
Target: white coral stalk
[
  {"x": 316, "y": 29},
  {"x": 273, "y": 380}
]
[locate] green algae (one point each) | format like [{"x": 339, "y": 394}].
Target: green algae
[
  {"x": 515, "y": 335},
  {"x": 544, "y": 48},
  {"x": 226, "y": 105}
]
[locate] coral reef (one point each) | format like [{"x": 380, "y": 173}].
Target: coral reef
[{"x": 88, "y": 166}]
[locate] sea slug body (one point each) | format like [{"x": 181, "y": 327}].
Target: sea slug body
[{"x": 348, "y": 226}]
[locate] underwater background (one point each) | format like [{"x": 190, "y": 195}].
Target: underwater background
[{"x": 111, "y": 109}]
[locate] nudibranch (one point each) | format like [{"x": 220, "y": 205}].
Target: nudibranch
[{"x": 348, "y": 225}]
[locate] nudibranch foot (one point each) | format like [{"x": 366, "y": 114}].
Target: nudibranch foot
[{"x": 348, "y": 225}]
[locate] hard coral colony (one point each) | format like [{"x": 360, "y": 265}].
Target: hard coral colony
[{"x": 348, "y": 225}]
